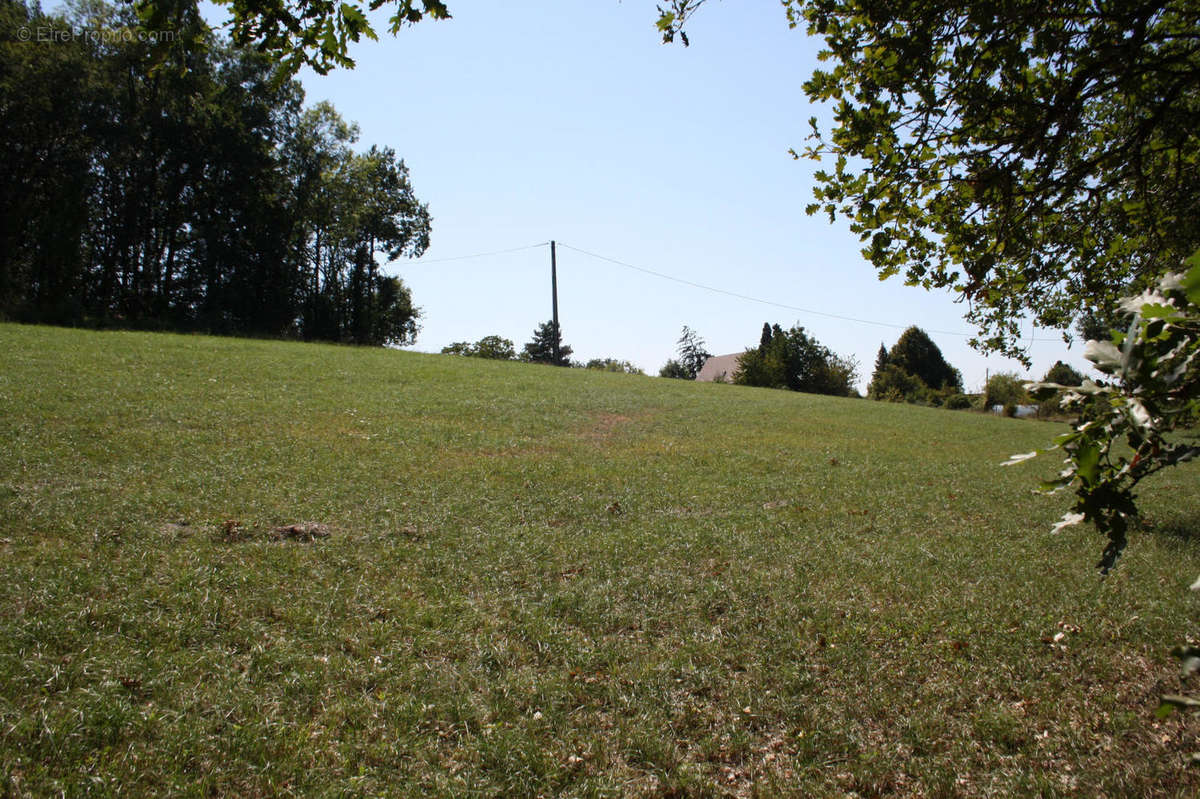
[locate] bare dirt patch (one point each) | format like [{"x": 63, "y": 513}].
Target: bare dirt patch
[
  {"x": 602, "y": 426},
  {"x": 304, "y": 532}
]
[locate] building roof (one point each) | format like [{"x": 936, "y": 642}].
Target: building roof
[{"x": 720, "y": 366}]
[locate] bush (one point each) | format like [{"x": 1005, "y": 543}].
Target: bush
[
  {"x": 1004, "y": 389},
  {"x": 493, "y": 347},
  {"x": 1051, "y": 407},
  {"x": 613, "y": 365},
  {"x": 674, "y": 369},
  {"x": 957, "y": 402},
  {"x": 894, "y": 384}
]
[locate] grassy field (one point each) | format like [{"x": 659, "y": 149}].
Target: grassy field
[{"x": 550, "y": 582}]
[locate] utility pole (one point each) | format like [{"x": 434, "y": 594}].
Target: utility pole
[{"x": 554, "y": 298}]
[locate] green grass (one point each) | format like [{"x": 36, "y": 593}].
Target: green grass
[{"x": 552, "y": 582}]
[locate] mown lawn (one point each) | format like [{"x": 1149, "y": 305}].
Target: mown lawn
[{"x": 551, "y": 582}]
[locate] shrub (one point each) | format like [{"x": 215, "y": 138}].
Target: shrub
[
  {"x": 894, "y": 384},
  {"x": 958, "y": 402},
  {"x": 493, "y": 347},
  {"x": 674, "y": 369},
  {"x": 1004, "y": 388},
  {"x": 613, "y": 365}
]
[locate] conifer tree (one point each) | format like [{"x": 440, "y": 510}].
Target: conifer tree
[
  {"x": 692, "y": 353},
  {"x": 547, "y": 346}
]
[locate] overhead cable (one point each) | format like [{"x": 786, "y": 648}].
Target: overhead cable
[{"x": 749, "y": 298}]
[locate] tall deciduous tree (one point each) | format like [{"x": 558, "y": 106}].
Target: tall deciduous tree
[
  {"x": 190, "y": 190},
  {"x": 46, "y": 131},
  {"x": 313, "y": 33},
  {"x": 1036, "y": 159}
]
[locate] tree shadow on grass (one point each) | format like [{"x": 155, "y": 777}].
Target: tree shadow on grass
[{"x": 1183, "y": 527}]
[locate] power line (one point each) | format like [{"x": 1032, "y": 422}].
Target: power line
[
  {"x": 422, "y": 261},
  {"x": 714, "y": 289},
  {"x": 753, "y": 299}
]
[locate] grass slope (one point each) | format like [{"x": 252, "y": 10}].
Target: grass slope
[{"x": 551, "y": 582}]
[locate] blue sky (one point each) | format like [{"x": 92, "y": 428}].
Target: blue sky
[{"x": 523, "y": 122}]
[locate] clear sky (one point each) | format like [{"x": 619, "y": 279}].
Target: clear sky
[{"x": 523, "y": 122}]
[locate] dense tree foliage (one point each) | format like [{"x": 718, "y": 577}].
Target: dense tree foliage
[
  {"x": 297, "y": 33},
  {"x": 190, "y": 189},
  {"x": 890, "y": 383},
  {"x": 913, "y": 370},
  {"x": 547, "y": 347},
  {"x": 915, "y": 353},
  {"x": 1039, "y": 160},
  {"x": 1005, "y": 390},
  {"x": 881, "y": 358},
  {"x": 794, "y": 360},
  {"x": 492, "y": 347}
]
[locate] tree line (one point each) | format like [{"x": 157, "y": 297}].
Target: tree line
[
  {"x": 186, "y": 186},
  {"x": 913, "y": 370},
  {"x": 545, "y": 347},
  {"x": 790, "y": 359}
]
